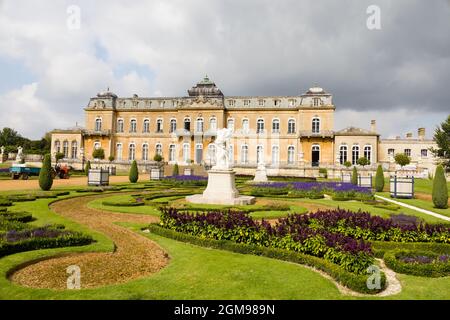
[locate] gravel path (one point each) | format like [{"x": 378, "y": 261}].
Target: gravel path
[{"x": 134, "y": 257}]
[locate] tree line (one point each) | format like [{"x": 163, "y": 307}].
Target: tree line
[{"x": 11, "y": 140}]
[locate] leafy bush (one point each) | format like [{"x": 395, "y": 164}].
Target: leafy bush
[
  {"x": 157, "y": 157},
  {"x": 402, "y": 159},
  {"x": 323, "y": 172},
  {"x": 418, "y": 263},
  {"x": 23, "y": 217},
  {"x": 176, "y": 170},
  {"x": 87, "y": 167},
  {"x": 347, "y": 164},
  {"x": 134, "y": 174},
  {"x": 440, "y": 191},
  {"x": 59, "y": 156},
  {"x": 355, "y": 176},
  {"x": 21, "y": 197},
  {"x": 98, "y": 154},
  {"x": 379, "y": 179},
  {"x": 45, "y": 175},
  {"x": 5, "y": 202},
  {"x": 362, "y": 161},
  {"x": 111, "y": 158}
]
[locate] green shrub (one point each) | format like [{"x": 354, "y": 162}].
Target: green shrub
[
  {"x": 131, "y": 203},
  {"x": 362, "y": 161},
  {"x": 347, "y": 164},
  {"x": 45, "y": 175},
  {"x": 5, "y": 202},
  {"x": 3, "y": 209},
  {"x": 440, "y": 191},
  {"x": 324, "y": 172},
  {"x": 176, "y": 170},
  {"x": 355, "y": 176},
  {"x": 21, "y": 197},
  {"x": 379, "y": 179},
  {"x": 111, "y": 158},
  {"x": 434, "y": 267},
  {"x": 98, "y": 154},
  {"x": 402, "y": 159},
  {"x": 134, "y": 174},
  {"x": 59, "y": 156},
  {"x": 355, "y": 282},
  {"x": 157, "y": 158},
  {"x": 87, "y": 167},
  {"x": 23, "y": 217}
]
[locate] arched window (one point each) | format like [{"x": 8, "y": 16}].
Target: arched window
[
  {"x": 173, "y": 125},
  {"x": 199, "y": 125},
  {"x": 315, "y": 125},
  {"x": 343, "y": 154},
  {"x": 97, "y": 145},
  {"x": 368, "y": 153},
  {"x": 275, "y": 155},
  {"x": 146, "y": 126},
  {"x": 98, "y": 124},
  {"x": 159, "y": 125},
  {"x": 213, "y": 124},
  {"x": 57, "y": 146},
  {"x": 291, "y": 155},
  {"x": 291, "y": 126},
  {"x": 133, "y": 125},
  {"x": 198, "y": 153},
  {"x": 260, "y": 126},
  {"x": 275, "y": 126},
  {"x": 259, "y": 154},
  {"x": 158, "y": 149},
  {"x": 355, "y": 154},
  {"x": 119, "y": 125},
  {"x": 187, "y": 124},
  {"x": 244, "y": 154},
  {"x": 132, "y": 152},
  {"x": 230, "y": 124},
  {"x": 315, "y": 155},
  {"x": 145, "y": 152},
  {"x": 172, "y": 153},
  {"x": 245, "y": 126},
  {"x": 119, "y": 151},
  {"x": 74, "y": 150},
  {"x": 66, "y": 149},
  {"x": 186, "y": 153}
]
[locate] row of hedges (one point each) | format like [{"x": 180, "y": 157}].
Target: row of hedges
[
  {"x": 130, "y": 203},
  {"x": 418, "y": 263},
  {"x": 355, "y": 282}
]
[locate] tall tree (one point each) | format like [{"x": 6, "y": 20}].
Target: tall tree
[
  {"x": 45, "y": 175},
  {"x": 442, "y": 138}
]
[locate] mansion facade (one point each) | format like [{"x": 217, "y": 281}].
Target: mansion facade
[{"x": 292, "y": 135}]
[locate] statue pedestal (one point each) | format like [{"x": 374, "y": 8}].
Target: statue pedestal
[
  {"x": 221, "y": 189},
  {"x": 261, "y": 174}
]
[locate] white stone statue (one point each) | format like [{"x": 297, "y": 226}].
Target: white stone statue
[
  {"x": 19, "y": 156},
  {"x": 2, "y": 149},
  {"x": 223, "y": 149}
]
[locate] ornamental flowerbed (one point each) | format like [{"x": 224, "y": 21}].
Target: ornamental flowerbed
[
  {"x": 338, "y": 236},
  {"x": 182, "y": 180},
  {"x": 418, "y": 263}
]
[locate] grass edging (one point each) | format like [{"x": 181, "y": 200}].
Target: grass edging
[
  {"x": 432, "y": 270},
  {"x": 357, "y": 283}
]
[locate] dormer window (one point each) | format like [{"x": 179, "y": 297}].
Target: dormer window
[
  {"x": 246, "y": 102},
  {"x": 261, "y": 102},
  {"x": 231, "y": 103},
  {"x": 135, "y": 104},
  {"x": 277, "y": 102},
  {"x": 291, "y": 102},
  {"x": 316, "y": 102}
]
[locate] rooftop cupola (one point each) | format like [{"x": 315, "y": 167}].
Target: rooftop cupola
[{"x": 206, "y": 87}]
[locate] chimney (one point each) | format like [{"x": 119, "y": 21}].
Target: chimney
[
  {"x": 373, "y": 125},
  {"x": 397, "y": 137},
  {"x": 421, "y": 133},
  {"x": 409, "y": 135}
]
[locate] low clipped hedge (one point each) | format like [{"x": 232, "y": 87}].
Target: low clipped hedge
[
  {"x": 380, "y": 248},
  {"x": 433, "y": 269},
  {"x": 355, "y": 282},
  {"x": 21, "y": 197},
  {"x": 167, "y": 195},
  {"x": 86, "y": 190},
  {"x": 3, "y": 209},
  {"x": 5, "y": 202},
  {"x": 131, "y": 203},
  {"x": 21, "y": 216}
]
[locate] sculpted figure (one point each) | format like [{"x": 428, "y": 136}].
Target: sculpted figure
[{"x": 223, "y": 149}]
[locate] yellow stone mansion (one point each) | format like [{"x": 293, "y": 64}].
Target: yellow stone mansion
[{"x": 292, "y": 135}]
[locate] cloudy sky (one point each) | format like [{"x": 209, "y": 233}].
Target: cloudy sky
[{"x": 398, "y": 75}]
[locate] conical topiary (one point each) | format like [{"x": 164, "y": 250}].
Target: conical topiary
[
  {"x": 379, "y": 179},
  {"x": 87, "y": 167},
  {"x": 134, "y": 174},
  {"x": 45, "y": 175},
  {"x": 176, "y": 170},
  {"x": 355, "y": 176},
  {"x": 440, "y": 191}
]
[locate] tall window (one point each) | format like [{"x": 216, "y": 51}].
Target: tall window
[
  {"x": 66, "y": 149},
  {"x": 187, "y": 124},
  {"x": 355, "y": 154},
  {"x": 213, "y": 124},
  {"x": 173, "y": 125},
  {"x": 159, "y": 125},
  {"x": 424, "y": 153},
  {"x": 186, "y": 155},
  {"x": 291, "y": 126},
  {"x": 408, "y": 152},
  {"x": 119, "y": 125},
  {"x": 315, "y": 155},
  {"x": 146, "y": 126},
  {"x": 343, "y": 154},
  {"x": 74, "y": 150},
  {"x": 119, "y": 151},
  {"x": 244, "y": 154},
  {"x": 145, "y": 152},
  {"x": 230, "y": 124},
  {"x": 212, "y": 152},
  {"x": 57, "y": 146},
  {"x": 315, "y": 125},
  {"x": 245, "y": 126},
  {"x": 275, "y": 155},
  {"x": 132, "y": 152},
  {"x": 172, "y": 152},
  {"x": 98, "y": 124},
  {"x": 275, "y": 126},
  {"x": 133, "y": 125},
  {"x": 259, "y": 154},
  {"x": 316, "y": 102},
  {"x": 260, "y": 126},
  {"x": 368, "y": 153},
  {"x": 291, "y": 154},
  {"x": 159, "y": 149},
  {"x": 199, "y": 125},
  {"x": 391, "y": 152}
]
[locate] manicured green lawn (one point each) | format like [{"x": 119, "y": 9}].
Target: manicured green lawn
[
  {"x": 98, "y": 204},
  {"x": 420, "y": 185}
]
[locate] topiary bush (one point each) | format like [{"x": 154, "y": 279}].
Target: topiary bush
[
  {"x": 440, "y": 191},
  {"x": 87, "y": 167},
  {"x": 134, "y": 174},
  {"x": 98, "y": 154},
  {"x": 379, "y": 179},
  {"x": 45, "y": 175},
  {"x": 355, "y": 176},
  {"x": 176, "y": 170},
  {"x": 402, "y": 159}
]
